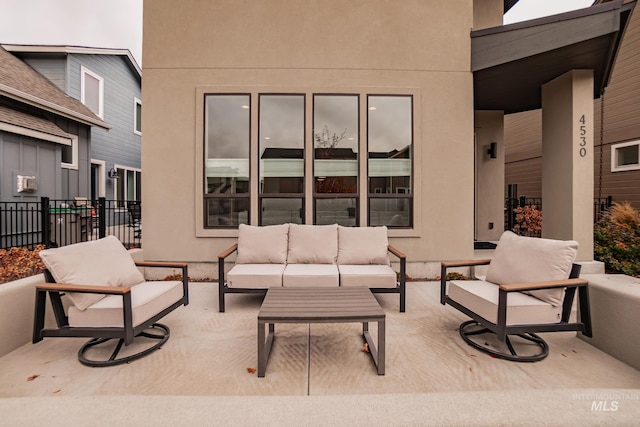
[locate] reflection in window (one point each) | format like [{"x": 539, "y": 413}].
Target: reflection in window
[
  {"x": 335, "y": 139},
  {"x": 281, "y": 168},
  {"x": 390, "y": 138},
  {"x": 227, "y": 143}
]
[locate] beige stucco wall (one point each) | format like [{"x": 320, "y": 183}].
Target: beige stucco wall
[
  {"x": 420, "y": 47},
  {"x": 489, "y": 126},
  {"x": 487, "y": 13}
]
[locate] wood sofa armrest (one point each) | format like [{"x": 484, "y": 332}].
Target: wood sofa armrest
[
  {"x": 68, "y": 287},
  {"x": 166, "y": 264},
  {"x": 222, "y": 255},
  {"x": 519, "y": 287},
  {"x": 465, "y": 263},
  {"x": 396, "y": 252}
]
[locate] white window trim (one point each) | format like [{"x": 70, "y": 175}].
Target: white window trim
[
  {"x": 84, "y": 71},
  {"x": 74, "y": 155},
  {"x": 124, "y": 168},
  {"x": 136, "y": 102},
  {"x": 614, "y": 157}
]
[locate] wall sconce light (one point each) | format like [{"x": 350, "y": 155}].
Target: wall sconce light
[
  {"x": 113, "y": 174},
  {"x": 492, "y": 151}
]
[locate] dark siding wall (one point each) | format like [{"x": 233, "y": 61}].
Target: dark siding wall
[
  {"x": 120, "y": 144},
  {"x": 52, "y": 68},
  {"x": 523, "y": 131}
]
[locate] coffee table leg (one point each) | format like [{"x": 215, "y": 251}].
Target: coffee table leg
[
  {"x": 381, "y": 346},
  {"x": 264, "y": 346},
  {"x": 377, "y": 354}
]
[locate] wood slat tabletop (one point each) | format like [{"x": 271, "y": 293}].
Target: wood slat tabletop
[{"x": 319, "y": 305}]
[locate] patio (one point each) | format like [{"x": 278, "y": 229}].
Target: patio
[{"x": 317, "y": 374}]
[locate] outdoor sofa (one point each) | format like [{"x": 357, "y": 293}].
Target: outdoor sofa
[{"x": 297, "y": 255}]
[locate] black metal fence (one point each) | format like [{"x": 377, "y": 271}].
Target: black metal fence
[
  {"x": 54, "y": 223},
  {"x": 600, "y": 207}
]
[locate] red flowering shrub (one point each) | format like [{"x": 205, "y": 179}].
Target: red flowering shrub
[
  {"x": 528, "y": 221},
  {"x": 17, "y": 263},
  {"x": 617, "y": 239}
]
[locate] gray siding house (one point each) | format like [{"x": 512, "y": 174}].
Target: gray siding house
[{"x": 108, "y": 82}]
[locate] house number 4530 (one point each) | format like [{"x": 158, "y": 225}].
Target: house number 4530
[{"x": 583, "y": 136}]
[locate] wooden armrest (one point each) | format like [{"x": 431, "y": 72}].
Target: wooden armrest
[
  {"x": 396, "y": 252},
  {"x": 67, "y": 287},
  {"x": 465, "y": 263},
  {"x": 228, "y": 252},
  {"x": 169, "y": 264},
  {"x": 518, "y": 287}
]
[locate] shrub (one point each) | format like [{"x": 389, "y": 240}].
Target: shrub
[
  {"x": 18, "y": 263},
  {"x": 617, "y": 239},
  {"x": 528, "y": 221}
]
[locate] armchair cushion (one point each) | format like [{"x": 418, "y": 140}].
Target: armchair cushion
[
  {"x": 481, "y": 297},
  {"x": 363, "y": 245},
  {"x": 313, "y": 244},
  {"x": 102, "y": 262},
  {"x": 147, "y": 300},
  {"x": 262, "y": 245},
  {"x": 519, "y": 259}
]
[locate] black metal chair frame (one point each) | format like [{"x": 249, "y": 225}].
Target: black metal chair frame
[
  {"x": 480, "y": 325},
  {"x": 223, "y": 289},
  {"x": 125, "y": 335},
  {"x": 135, "y": 218}
]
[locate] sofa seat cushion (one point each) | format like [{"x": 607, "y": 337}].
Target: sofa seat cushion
[
  {"x": 255, "y": 276},
  {"x": 262, "y": 245},
  {"x": 519, "y": 259},
  {"x": 310, "y": 275},
  {"x": 102, "y": 262},
  {"x": 147, "y": 300},
  {"x": 313, "y": 244},
  {"x": 481, "y": 297},
  {"x": 371, "y": 276},
  {"x": 363, "y": 245}
]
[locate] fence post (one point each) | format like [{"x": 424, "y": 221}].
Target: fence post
[
  {"x": 45, "y": 224},
  {"x": 102, "y": 217}
]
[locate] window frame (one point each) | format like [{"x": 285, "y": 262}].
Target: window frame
[
  {"x": 614, "y": 157},
  {"x": 74, "y": 155},
  {"x": 84, "y": 71},
  {"x": 137, "y": 127},
  {"x": 419, "y": 190},
  {"x": 122, "y": 180}
]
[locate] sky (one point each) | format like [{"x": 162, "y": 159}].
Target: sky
[
  {"x": 92, "y": 23},
  {"x": 118, "y": 23}
]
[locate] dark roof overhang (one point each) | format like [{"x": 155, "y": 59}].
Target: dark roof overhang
[{"x": 510, "y": 63}]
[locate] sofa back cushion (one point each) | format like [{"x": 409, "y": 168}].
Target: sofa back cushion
[
  {"x": 363, "y": 245},
  {"x": 313, "y": 244},
  {"x": 262, "y": 245},
  {"x": 519, "y": 259},
  {"x": 102, "y": 262}
]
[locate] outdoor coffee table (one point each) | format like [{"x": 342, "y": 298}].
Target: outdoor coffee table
[{"x": 320, "y": 305}]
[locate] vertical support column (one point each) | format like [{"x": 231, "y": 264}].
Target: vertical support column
[{"x": 567, "y": 159}]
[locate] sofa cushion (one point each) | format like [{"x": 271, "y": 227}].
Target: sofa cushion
[
  {"x": 363, "y": 245},
  {"x": 310, "y": 275},
  {"x": 102, "y": 262},
  {"x": 256, "y": 276},
  {"x": 519, "y": 259},
  {"x": 481, "y": 297},
  {"x": 371, "y": 276},
  {"x": 262, "y": 245},
  {"x": 313, "y": 244},
  {"x": 147, "y": 300}
]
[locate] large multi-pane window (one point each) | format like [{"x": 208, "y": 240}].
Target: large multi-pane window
[
  {"x": 128, "y": 185},
  {"x": 227, "y": 148},
  {"x": 294, "y": 171},
  {"x": 389, "y": 142},
  {"x": 281, "y": 166},
  {"x": 335, "y": 159}
]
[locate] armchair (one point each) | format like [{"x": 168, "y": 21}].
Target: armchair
[{"x": 529, "y": 288}]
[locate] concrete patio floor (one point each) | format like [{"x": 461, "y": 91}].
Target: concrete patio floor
[{"x": 318, "y": 375}]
